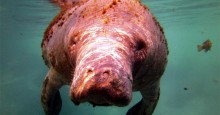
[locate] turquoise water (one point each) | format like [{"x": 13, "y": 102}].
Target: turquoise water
[{"x": 189, "y": 86}]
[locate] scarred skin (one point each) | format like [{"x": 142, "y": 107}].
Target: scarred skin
[{"x": 103, "y": 49}]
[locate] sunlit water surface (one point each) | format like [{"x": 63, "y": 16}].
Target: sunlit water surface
[{"x": 189, "y": 86}]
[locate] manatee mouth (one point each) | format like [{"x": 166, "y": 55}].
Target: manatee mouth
[{"x": 102, "y": 87}]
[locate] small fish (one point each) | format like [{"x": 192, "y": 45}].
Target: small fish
[{"x": 206, "y": 46}]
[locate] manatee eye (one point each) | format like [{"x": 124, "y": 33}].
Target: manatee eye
[
  {"x": 74, "y": 38},
  {"x": 73, "y": 41},
  {"x": 140, "y": 45},
  {"x": 141, "y": 50}
]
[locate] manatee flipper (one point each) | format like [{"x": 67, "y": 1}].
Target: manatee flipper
[
  {"x": 148, "y": 103},
  {"x": 50, "y": 97}
]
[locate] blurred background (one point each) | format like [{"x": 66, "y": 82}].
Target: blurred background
[{"x": 189, "y": 86}]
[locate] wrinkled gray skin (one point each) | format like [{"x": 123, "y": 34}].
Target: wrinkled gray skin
[{"x": 103, "y": 49}]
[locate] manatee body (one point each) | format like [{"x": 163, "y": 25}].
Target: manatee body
[{"x": 103, "y": 49}]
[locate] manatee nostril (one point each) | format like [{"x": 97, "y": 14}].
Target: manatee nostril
[
  {"x": 89, "y": 71},
  {"x": 106, "y": 73}
]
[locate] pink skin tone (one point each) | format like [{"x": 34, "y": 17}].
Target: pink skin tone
[{"x": 104, "y": 49}]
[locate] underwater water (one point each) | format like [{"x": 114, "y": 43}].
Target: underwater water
[{"x": 189, "y": 86}]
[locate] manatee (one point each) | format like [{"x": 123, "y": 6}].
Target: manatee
[{"x": 104, "y": 50}]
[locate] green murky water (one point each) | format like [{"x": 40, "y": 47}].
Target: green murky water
[{"x": 189, "y": 86}]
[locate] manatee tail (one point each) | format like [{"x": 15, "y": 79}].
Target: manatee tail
[
  {"x": 63, "y": 3},
  {"x": 199, "y": 47},
  {"x": 67, "y": 3}
]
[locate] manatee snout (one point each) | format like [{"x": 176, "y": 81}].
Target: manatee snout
[
  {"x": 102, "y": 76},
  {"x": 103, "y": 87}
]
